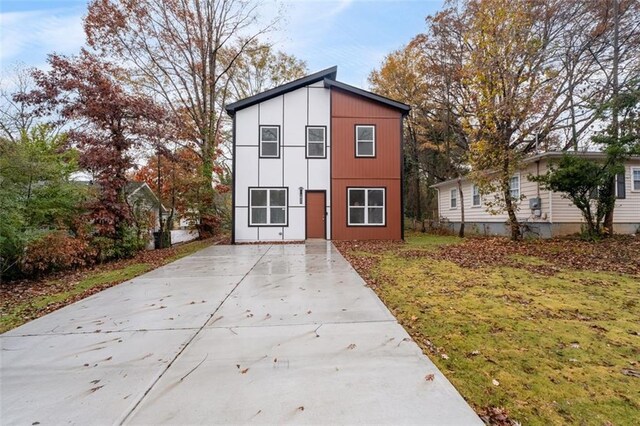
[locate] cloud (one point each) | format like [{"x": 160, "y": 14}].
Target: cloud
[{"x": 29, "y": 36}]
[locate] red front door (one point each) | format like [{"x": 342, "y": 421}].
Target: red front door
[{"x": 316, "y": 226}]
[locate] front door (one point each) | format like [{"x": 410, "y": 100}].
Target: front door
[{"x": 316, "y": 226}]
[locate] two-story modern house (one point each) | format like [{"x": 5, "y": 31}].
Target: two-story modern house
[{"x": 317, "y": 158}]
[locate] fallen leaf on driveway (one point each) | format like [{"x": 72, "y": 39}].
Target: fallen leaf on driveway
[
  {"x": 429, "y": 377},
  {"x": 351, "y": 346},
  {"x": 243, "y": 371}
]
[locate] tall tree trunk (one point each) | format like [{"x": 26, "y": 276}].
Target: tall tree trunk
[
  {"x": 462, "y": 221},
  {"x": 610, "y": 190},
  {"x": 509, "y": 202}
]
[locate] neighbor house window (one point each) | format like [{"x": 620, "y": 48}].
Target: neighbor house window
[
  {"x": 476, "y": 196},
  {"x": 268, "y": 206},
  {"x": 454, "y": 198},
  {"x": 365, "y": 141},
  {"x": 366, "y": 206},
  {"x": 270, "y": 141},
  {"x": 620, "y": 186},
  {"x": 635, "y": 177},
  {"x": 514, "y": 187},
  {"x": 316, "y": 142}
]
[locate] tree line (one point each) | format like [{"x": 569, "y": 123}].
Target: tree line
[
  {"x": 142, "y": 100},
  {"x": 491, "y": 82}
]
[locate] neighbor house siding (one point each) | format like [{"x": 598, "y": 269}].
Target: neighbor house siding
[
  {"x": 347, "y": 170},
  {"x": 481, "y": 214},
  {"x": 292, "y": 112},
  {"x": 561, "y": 215}
]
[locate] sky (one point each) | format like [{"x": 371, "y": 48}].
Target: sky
[{"x": 355, "y": 35}]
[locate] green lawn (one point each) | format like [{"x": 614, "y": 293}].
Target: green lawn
[
  {"x": 22, "y": 305},
  {"x": 547, "y": 343}
]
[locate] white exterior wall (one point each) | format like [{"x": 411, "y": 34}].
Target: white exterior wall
[
  {"x": 481, "y": 214},
  {"x": 627, "y": 209},
  {"x": 307, "y": 106},
  {"x": 555, "y": 208}
]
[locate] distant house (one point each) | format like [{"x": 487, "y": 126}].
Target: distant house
[
  {"x": 317, "y": 158},
  {"x": 145, "y": 202},
  {"x": 546, "y": 213}
]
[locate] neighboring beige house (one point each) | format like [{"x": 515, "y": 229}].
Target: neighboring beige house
[{"x": 545, "y": 213}]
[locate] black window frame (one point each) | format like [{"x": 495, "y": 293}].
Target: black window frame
[
  {"x": 268, "y": 189},
  {"x": 260, "y": 141},
  {"x": 306, "y": 145},
  {"x": 375, "y": 150},
  {"x": 366, "y": 207}
]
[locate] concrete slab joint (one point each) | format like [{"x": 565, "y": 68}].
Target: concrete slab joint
[{"x": 232, "y": 334}]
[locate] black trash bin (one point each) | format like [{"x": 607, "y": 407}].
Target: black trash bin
[{"x": 161, "y": 239}]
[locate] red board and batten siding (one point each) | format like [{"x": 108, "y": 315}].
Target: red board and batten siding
[{"x": 347, "y": 170}]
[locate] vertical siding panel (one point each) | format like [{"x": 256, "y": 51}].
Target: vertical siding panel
[{"x": 347, "y": 110}]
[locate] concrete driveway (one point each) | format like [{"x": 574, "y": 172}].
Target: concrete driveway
[{"x": 231, "y": 334}]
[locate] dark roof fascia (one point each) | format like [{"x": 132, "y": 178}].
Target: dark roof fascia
[
  {"x": 328, "y": 83},
  {"x": 329, "y": 73},
  {"x": 591, "y": 155}
]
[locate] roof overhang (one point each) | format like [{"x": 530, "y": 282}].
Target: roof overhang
[
  {"x": 592, "y": 155},
  {"x": 285, "y": 88},
  {"x": 403, "y": 108}
]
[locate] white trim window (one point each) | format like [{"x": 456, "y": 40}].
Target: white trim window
[
  {"x": 268, "y": 206},
  {"x": 365, "y": 141},
  {"x": 475, "y": 196},
  {"x": 366, "y": 206},
  {"x": 635, "y": 179},
  {"x": 316, "y": 142},
  {"x": 514, "y": 187},
  {"x": 453, "y": 199},
  {"x": 269, "y": 141}
]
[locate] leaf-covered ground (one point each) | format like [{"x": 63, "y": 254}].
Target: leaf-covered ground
[
  {"x": 24, "y": 301},
  {"x": 537, "y": 332}
]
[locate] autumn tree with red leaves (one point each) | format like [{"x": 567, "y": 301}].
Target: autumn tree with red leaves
[
  {"x": 184, "y": 53},
  {"x": 107, "y": 123}
]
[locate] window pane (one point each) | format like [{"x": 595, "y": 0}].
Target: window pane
[
  {"x": 315, "y": 134},
  {"x": 316, "y": 149},
  {"x": 636, "y": 180},
  {"x": 269, "y": 134},
  {"x": 365, "y": 148},
  {"x": 375, "y": 215},
  {"x": 258, "y": 215},
  {"x": 270, "y": 149},
  {"x": 365, "y": 133},
  {"x": 356, "y": 215},
  {"x": 376, "y": 197},
  {"x": 277, "y": 197},
  {"x": 356, "y": 197},
  {"x": 277, "y": 215},
  {"x": 476, "y": 200},
  {"x": 258, "y": 197}
]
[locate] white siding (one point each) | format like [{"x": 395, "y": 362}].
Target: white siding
[
  {"x": 627, "y": 209},
  {"x": 481, "y": 214},
  {"x": 555, "y": 208},
  {"x": 292, "y": 111}
]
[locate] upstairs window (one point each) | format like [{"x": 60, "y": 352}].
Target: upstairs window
[
  {"x": 366, "y": 206},
  {"x": 268, "y": 206},
  {"x": 453, "y": 200},
  {"x": 476, "y": 196},
  {"x": 269, "y": 141},
  {"x": 514, "y": 187},
  {"x": 365, "y": 141},
  {"x": 316, "y": 142},
  {"x": 635, "y": 176}
]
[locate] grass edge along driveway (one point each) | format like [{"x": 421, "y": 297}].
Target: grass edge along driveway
[
  {"x": 520, "y": 333},
  {"x": 26, "y": 301}
]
